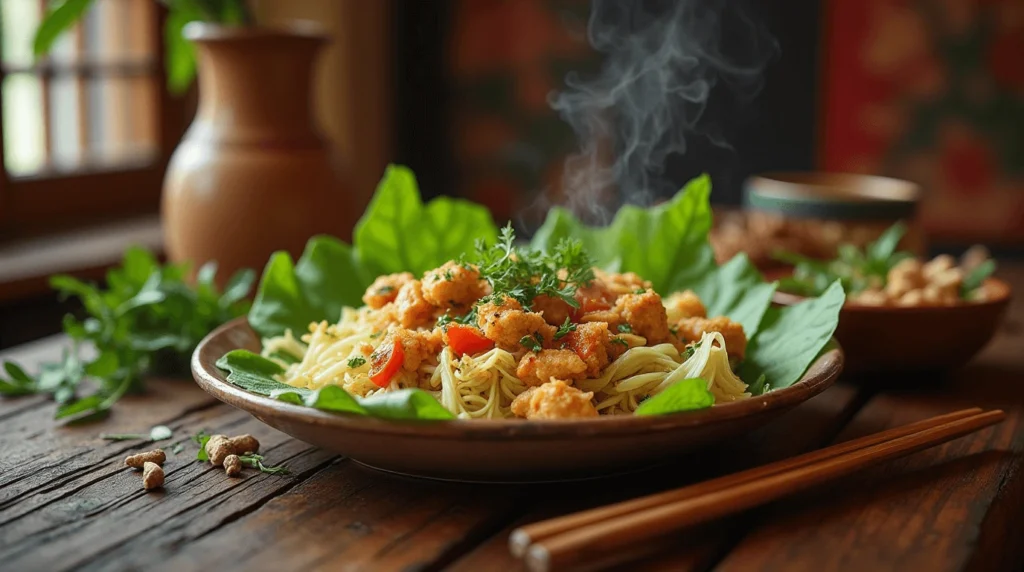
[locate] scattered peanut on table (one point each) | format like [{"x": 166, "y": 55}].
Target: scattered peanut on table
[
  {"x": 152, "y": 476},
  {"x": 220, "y": 446},
  {"x": 137, "y": 461},
  {"x": 232, "y": 465}
]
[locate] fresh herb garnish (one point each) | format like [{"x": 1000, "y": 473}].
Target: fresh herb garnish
[
  {"x": 620, "y": 341},
  {"x": 147, "y": 319},
  {"x": 564, "y": 329},
  {"x": 690, "y": 350},
  {"x": 856, "y": 269},
  {"x": 201, "y": 438},
  {"x": 376, "y": 335},
  {"x": 255, "y": 461},
  {"x": 385, "y": 290},
  {"x": 525, "y": 274},
  {"x": 532, "y": 343},
  {"x": 639, "y": 291},
  {"x": 158, "y": 433},
  {"x": 356, "y": 361},
  {"x": 625, "y": 328}
]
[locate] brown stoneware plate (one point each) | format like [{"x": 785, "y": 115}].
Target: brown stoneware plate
[
  {"x": 895, "y": 340},
  {"x": 504, "y": 450}
]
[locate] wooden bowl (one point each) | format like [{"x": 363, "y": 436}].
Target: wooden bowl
[
  {"x": 929, "y": 339},
  {"x": 504, "y": 450}
]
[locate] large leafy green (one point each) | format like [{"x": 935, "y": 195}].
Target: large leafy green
[
  {"x": 791, "y": 338},
  {"x": 291, "y": 296},
  {"x": 685, "y": 395},
  {"x": 737, "y": 290},
  {"x": 669, "y": 245},
  {"x": 255, "y": 373},
  {"x": 666, "y": 244},
  {"x": 398, "y": 233},
  {"x": 58, "y": 19}
]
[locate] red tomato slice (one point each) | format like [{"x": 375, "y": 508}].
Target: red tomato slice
[
  {"x": 467, "y": 340},
  {"x": 385, "y": 362}
]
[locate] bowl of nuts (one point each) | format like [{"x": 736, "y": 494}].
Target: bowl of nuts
[{"x": 903, "y": 313}]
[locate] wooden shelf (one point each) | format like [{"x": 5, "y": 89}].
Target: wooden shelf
[{"x": 26, "y": 265}]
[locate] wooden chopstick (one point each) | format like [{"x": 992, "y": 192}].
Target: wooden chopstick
[
  {"x": 521, "y": 538},
  {"x": 624, "y": 524}
]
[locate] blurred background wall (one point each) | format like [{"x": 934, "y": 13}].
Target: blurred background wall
[{"x": 460, "y": 90}]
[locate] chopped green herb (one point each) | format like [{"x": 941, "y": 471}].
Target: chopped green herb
[
  {"x": 856, "y": 269},
  {"x": 625, "y": 328},
  {"x": 620, "y": 341},
  {"x": 158, "y": 433},
  {"x": 448, "y": 275},
  {"x": 691, "y": 349},
  {"x": 673, "y": 330},
  {"x": 255, "y": 461},
  {"x": 356, "y": 361},
  {"x": 385, "y": 290},
  {"x": 640, "y": 291},
  {"x": 147, "y": 319},
  {"x": 376, "y": 335},
  {"x": 201, "y": 439},
  {"x": 525, "y": 274},
  {"x": 531, "y": 343},
  {"x": 564, "y": 329}
]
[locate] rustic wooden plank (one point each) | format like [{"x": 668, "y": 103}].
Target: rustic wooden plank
[
  {"x": 103, "y": 511},
  {"x": 807, "y": 427},
  {"x": 348, "y": 516},
  {"x": 40, "y": 452},
  {"x": 947, "y": 508}
]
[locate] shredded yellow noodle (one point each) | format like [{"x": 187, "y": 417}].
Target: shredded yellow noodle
[{"x": 484, "y": 386}]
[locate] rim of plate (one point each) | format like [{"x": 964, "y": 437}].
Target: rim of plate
[{"x": 819, "y": 376}]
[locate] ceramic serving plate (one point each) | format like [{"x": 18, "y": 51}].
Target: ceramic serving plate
[
  {"x": 932, "y": 339},
  {"x": 503, "y": 450}
]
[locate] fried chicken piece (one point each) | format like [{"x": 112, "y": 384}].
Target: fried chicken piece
[
  {"x": 385, "y": 289},
  {"x": 453, "y": 286},
  {"x": 645, "y": 315},
  {"x": 554, "y": 310},
  {"x": 413, "y": 310},
  {"x": 505, "y": 322},
  {"x": 418, "y": 346},
  {"x": 625, "y": 283},
  {"x": 691, "y": 330},
  {"x": 590, "y": 342},
  {"x": 541, "y": 367},
  {"x": 684, "y": 305},
  {"x": 554, "y": 400}
]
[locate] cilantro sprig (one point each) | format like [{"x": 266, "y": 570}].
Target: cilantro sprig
[
  {"x": 147, "y": 319},
  {"x": 525, "y": 274}
]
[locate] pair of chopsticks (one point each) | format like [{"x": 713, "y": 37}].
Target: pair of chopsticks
[{"x": 583, "y": 537}]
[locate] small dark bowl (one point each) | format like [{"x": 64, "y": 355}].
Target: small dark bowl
[{"x": 927, "y": 339}]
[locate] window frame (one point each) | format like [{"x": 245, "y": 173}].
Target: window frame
[{"x": 52, "y": 201}]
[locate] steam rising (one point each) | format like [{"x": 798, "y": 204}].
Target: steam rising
[{"x": 661, "y": 62}]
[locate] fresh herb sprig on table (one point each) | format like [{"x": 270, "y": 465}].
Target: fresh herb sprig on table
[
  {"x": 146, "y": 320},
  {"x": 855, "y": 269}
]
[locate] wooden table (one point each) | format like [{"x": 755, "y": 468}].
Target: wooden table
[{"x": 66, "y": 502}]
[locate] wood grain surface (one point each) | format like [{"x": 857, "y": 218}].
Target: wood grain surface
[{"x": 67, "y": 503}]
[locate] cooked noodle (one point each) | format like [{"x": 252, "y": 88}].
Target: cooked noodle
[{"x": 484, "y": 386}]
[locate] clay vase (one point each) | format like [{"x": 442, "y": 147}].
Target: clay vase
[{"x": 253, "y": 173}]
